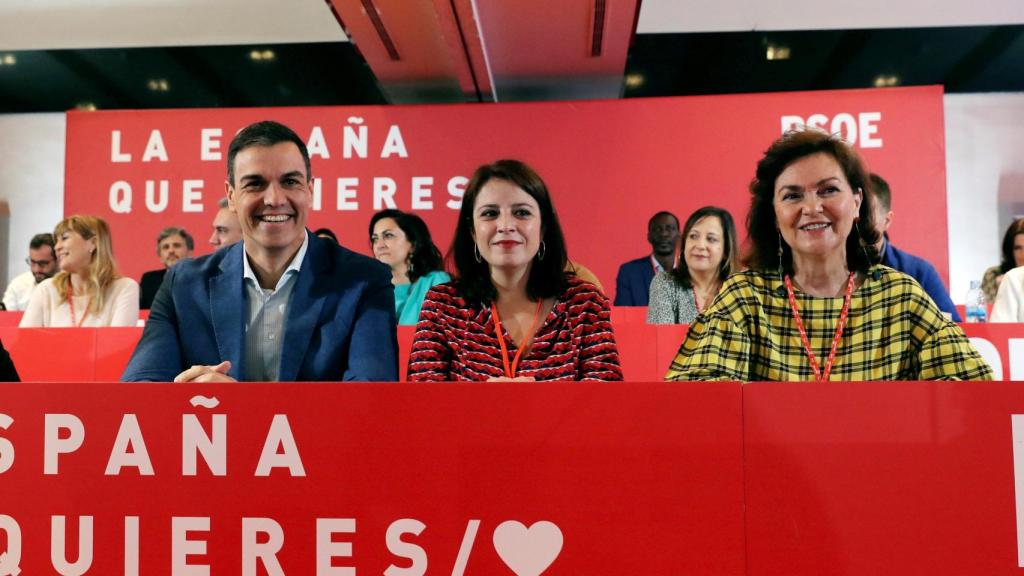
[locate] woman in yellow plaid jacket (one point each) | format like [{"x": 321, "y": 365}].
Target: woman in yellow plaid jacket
[{"x": 813, "y": 304}]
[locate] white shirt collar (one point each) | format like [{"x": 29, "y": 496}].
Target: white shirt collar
[
  {"x": 658, "y": 268},
  {"x": 295, "y": 266}
]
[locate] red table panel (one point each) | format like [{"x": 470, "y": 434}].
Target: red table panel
[
  {"x": 100, "y": 354},
  {"x": 1002, "y": 345},
  {"x": 629, "y": 315},
  {"x": 669, "y": 339},
  {"x": 405, "y": 334},
  {"x": 52, "y": 354},
  {"x": 637, "y": 354},
  {"x": 881, "y": 478},
  {"x": 114, "y": 347},
  {"x": 591, "y": 478},
  {"x": 12, "y": 318}
]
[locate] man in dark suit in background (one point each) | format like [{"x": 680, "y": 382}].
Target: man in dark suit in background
[
  {"x": 282, "y": 304},
  {"x": 633, "y": 283},
  {"x": 918, "y": 268},
  {"x": 172, "y": 245}
]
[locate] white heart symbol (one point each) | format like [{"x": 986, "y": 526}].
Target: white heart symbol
[{"x": 528, "y": 551}]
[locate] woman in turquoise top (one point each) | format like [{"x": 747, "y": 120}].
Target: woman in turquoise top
[{"x": 402, "y": 241}]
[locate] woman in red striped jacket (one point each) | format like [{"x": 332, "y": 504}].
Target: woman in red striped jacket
[{"x": 512, "y": 312}]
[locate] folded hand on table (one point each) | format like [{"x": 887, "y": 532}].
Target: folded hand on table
[{"x": 218, "y": 373}]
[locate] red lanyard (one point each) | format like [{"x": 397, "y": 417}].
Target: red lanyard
[
  {"x": 696, "y": 303},
  {"x": 818, "y": 375},
  {"x": 71, "y": 303},
  {"x": 510, "y": 369}
]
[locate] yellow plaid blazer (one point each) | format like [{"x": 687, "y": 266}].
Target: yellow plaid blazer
[{"x": 894, "y": 331}]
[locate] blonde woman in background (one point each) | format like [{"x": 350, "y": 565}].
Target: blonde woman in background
[{"x": 87, "y": 291}]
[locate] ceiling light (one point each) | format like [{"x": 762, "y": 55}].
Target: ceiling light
[
  {"x": 8, "y": 60},
  {"x": 159, "y": 85},
  {"x": 85, "y": 106},
  {"x": 634, "y": 80},
  {"x": 776, "y": 52},
  {"x": 261, "y": 55},
  {"x": 886, "y": 80}
]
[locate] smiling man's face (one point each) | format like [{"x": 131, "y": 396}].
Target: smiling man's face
[{"x": 271, "y": 195}]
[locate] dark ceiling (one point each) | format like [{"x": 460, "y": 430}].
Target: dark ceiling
[
  {"x": 187, "y": 77},
  {"x": 963, "y": 59}
]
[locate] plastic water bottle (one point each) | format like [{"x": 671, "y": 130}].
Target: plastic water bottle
[{"x": 976, "y": 308}]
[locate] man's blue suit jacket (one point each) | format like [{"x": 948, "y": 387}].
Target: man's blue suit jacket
[
  {"x": 633, "y": 283},
  {"x": 340, "y": 321},
  {"x": 925, "y": 274}
]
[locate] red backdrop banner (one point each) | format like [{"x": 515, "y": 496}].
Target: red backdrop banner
[
  {"x": 609, "y": 164},
  {"x": 392, "y": 479}
]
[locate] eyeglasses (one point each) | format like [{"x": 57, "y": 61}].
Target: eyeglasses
[{"x": 40, "y": 263}]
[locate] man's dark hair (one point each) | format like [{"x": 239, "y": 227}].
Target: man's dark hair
[
  {"x": 171, "y": 231},
  {"x": 44, "y": 239},
  {"x": 326, "y": 232},
  {"x": 659, "y": 214},
  {"x": 265, "y": 133},
  {"x": 425, "y": 257},
  {"x": 881, "y": 190},
  {"x": 473, "y": 279}
]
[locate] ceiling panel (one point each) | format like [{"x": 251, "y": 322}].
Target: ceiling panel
[
  {"x": 917, "y": 56},
  {"x": 674, "y": 16},
  {"x": 543, "y": 50},
  {"x": 39, "y": 81},
  {"x": 63, "y": 24},
  {"x": 535, "y": 50},
  {"x": 979, "y": 58},
  {"x": 187, "y": 77},
  {"x": 996, "y": 65}
]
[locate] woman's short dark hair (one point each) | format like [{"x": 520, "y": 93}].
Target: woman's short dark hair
[
  {"x": 547, "y": 275},
  {"x": 762, "y": 228},
  {"x": 425, "y": 256},
  {"x": 681, "y": 273},
  {"x": 1009, "y": 262}
]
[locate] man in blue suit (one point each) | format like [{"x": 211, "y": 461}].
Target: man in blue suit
[
  {"x": 282, "y": 305},
  {"x": 918, "y": 268},
  {"x": 633, "y": 283}
]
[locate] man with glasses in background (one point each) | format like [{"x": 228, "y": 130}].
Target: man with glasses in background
[{"x": 42, "y": 263}]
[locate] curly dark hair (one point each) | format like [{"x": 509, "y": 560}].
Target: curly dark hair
[
  {"x": 681, "y": 273},
  {"x": 1009, "y": 262},
  {"x": 762, "y": 227},
  {"x": 425, "y": 257},
  {"x": 473, "y": 279}
]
